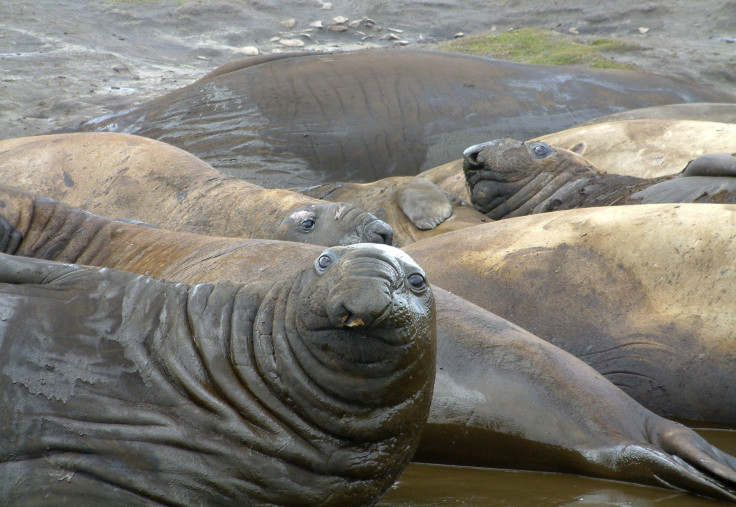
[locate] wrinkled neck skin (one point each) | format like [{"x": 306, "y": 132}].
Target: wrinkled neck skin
[
  {"x": 516, "y": 185},
  {"x": 239, "y": 394},
  {"x": 341, "y": 410}
]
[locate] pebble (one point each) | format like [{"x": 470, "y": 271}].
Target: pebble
[
  {"x": 326, "y": 6},
  {"x": 288, "y": 23},
  {"x": 316, "y": 24},
  {"x": 249, "y": 51},
  {"x": 458, "y": 35},
  {"x": 337, "y": 28},
  {"x": 338, "y": 20},
  {"x": 573, "y": 31},
  {"x": 355, "y": 23},
  {"x": 395, "y": 30},
  {"x": 292, "y": 43},
  {"x": 643, "y": 29}
]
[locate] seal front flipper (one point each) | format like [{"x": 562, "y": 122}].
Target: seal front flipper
[
  {"x": 425, "y": 204},
  {"x": 711, "y": 164},
  {"x": 10, "y": 237}
]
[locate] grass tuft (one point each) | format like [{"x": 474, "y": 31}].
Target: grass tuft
[{"x": 547, "y": 47}]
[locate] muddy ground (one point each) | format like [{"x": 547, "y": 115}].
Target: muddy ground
[{"x": 62, "y": 62}]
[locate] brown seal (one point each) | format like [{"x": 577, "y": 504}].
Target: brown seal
[{"x": 133, "y": 177}]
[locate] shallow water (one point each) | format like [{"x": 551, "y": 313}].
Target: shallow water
[{"x": 430, "y": 485}]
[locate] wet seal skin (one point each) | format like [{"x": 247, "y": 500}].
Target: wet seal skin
[
  {"x": 312, "y": 118},
  {"x": 503, "y": 397},
  {"x": 509, "y": 178},
  {"x": 307, "y": 389},
  {"x": 124, "y": 176}
]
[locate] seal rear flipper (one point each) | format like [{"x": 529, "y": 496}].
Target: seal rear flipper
[{"x": 425, "y": 204}]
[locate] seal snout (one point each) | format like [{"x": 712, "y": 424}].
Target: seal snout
[
  {"x": 377, "y": 231},
  {"x": 473, "y": 156}
]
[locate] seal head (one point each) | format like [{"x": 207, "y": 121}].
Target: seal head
[
  {"x": 336, "y": 223},
  {"x": 508, "y": 178}
]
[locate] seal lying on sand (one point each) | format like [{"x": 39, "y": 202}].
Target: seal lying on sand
[
  {"x": 132, "y": 177},
  {"x": 361, "y": 116},
  {"x": 645, "y": 148},
  {"x": 307, "y": 389},
  {"x": 498, "y": 387},
  {"x": 508, "y": 178},
  {"x": 644, "y": 294}
]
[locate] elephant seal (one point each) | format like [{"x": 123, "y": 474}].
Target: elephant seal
[
  {"x": 700, "y": 111},
  {"x": 498, "y": 388},
  {"x": 366, "y": 115},
  {"x": 121, "y": 175},
  {"x": 646, "y": 148},
  {"x": 508, "y": 178},
  {"x": 644, "y": 294},
  {"x": 302, "y": 390}
]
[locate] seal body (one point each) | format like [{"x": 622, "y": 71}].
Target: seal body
[
  {"x": 362, "y": 116},
  {"x": 132, "y": 177},
  {"x": 304, "y": 390},
  {"x": 570, "y": 418},
  {"x": 699, "y": 111},
  {"x": 646, "y": 148},
  {"x": 642, "y": 293}
]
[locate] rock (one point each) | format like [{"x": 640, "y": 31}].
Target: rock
[
  {"x": 337, "y": 28},
  {"x": 316, "y": 24},
  {"x": 250, "y": 51},
  {"x": 643, "y": 29},
  {"x": 292, "y": 43},
  {"x": 338, "y": 20},
  {"x": 288, "y": 23}
]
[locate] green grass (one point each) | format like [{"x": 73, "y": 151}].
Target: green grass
[{"x": 530, "y": 45}]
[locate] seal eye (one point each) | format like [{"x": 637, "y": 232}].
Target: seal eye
[
  {"x": 323, "y": 262},
  {"x": 541, "y": 150},
  {"x": 307, "y": 224},
  {"x": 417, "y": 281}
]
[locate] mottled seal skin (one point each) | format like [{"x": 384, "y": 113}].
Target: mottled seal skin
[
  {"x": 132, "y": 177},
  {"x": 361, "y": 116},
  {"x": 644, "y": 294},
  {"x": 502, "y": 397},
  {"x": 645, "y": 148},
  {"x": 509, "y": 178},
  {"x": 309, "y": 389},
  {"x": 700, "y": 111}
]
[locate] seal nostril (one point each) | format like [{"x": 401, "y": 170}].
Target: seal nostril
[
  {"x": 380, "y": 232},
  {"x": 473, "y": 156}
]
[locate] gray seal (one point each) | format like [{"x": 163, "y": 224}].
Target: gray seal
[{"x": 304, "y": 389}]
